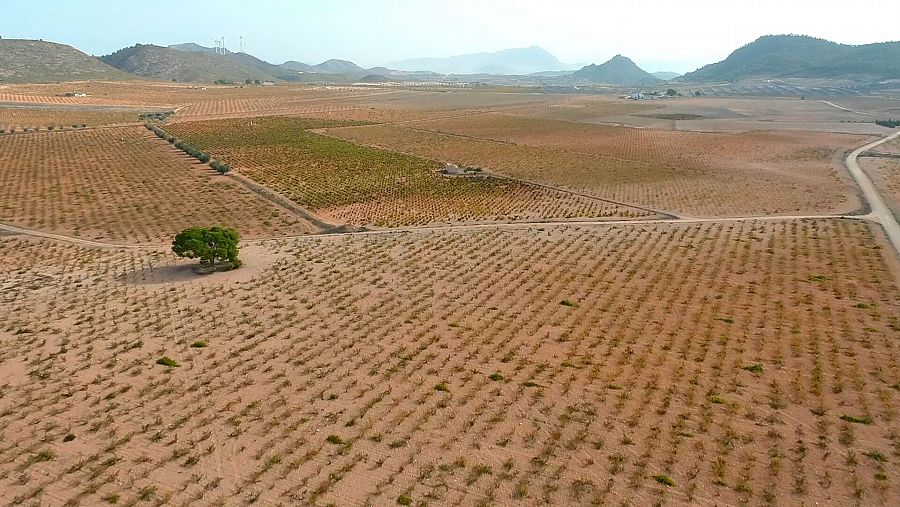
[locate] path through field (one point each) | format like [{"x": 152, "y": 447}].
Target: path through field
[{"x": 880, "y": 212}]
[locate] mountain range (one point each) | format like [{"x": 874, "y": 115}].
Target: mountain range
[
  {"x": 517, "y": 61},
  {"x": 774, "y": 56},
  {"x": 788, "y": 56}
]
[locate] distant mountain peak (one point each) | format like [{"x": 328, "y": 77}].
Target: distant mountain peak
[
  {"x": 524, "y": 60},
  {"x": 619, "y": 70}
]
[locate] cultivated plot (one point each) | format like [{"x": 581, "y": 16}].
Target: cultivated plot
[
  {"x": 360, "y": 185},
  {"x": 885, "y": 175},
  {"x": 687, "y": 173},
  {"x": 19, "y": 119},
  {"x": 728, "y": 363},
  {"x": 122, "y": 184}
]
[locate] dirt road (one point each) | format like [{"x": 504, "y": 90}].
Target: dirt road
[{"x": 880, "y": 212}]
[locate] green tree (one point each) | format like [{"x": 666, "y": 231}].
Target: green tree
[
  {"x": 671, "y": 92},
  {"x": 209, "y": 244}
]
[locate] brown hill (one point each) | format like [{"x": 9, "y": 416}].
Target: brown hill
[
  {"x": 169, "y": 64},
  {"x": 35, "y": 61}
]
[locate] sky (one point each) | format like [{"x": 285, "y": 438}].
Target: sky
[{"x": 658, "y": 35}]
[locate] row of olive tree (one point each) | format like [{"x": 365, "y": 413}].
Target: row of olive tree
[{"x": 181, "y": 144}]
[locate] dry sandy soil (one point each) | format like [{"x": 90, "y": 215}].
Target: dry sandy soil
[
  {"x": 717, "y": 114},
  {"x": 745, "y": 363}
]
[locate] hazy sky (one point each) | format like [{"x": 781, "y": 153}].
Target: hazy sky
[{"x": 659, "y": 35}]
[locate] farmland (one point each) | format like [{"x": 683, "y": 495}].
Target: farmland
[
  {"x": 121, "y": 184},
  {"x": 596, "y": 315},
  {"x": 885, "y": 174},
  {"x": 20, "y": 119},
  {"x": 750, "y": 362},
  {"x": 366, "y": 186},
  {"x": 688, "y": 173}
]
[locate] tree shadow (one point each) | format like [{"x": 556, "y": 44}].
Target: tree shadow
[{"x": 178, "y": 273}]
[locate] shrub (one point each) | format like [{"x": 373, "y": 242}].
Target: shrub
[
  {"x": 664, "y": 479},
  {"x": 220, "y": 167},
  {"x": 857, "y": 419},
  {"x": 754, "y": 368},
  {"x": 566, "y": 302},
  {"x": 404, "y": 500},
  {"x": 167, "y": 361}
]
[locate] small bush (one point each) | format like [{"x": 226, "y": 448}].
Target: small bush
[
  {"x": 566, "y": 302},
  {"x": 404, "y": 500},
  {"x": 876, "y": 455},
  {"x": 220, "y": 167},
  {"x": 334, "y": 439},
  {"x": 754, "y": 368},
  {"x": 664, "y": 479},
  {"x": 495, "y": 377},
  {"x": 167, "y": 361},
  {"x": 199, "y": 344},
  {"x": 857, "y": 419},
  {"x": 442, "y": 387}
]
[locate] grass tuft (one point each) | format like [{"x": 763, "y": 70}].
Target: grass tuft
[
  {"x": 664, "y": 479},
  {"x": 167, "y": 361},
  {"x": 754, "y": 368},
  {"x": 857, "y": 419}
]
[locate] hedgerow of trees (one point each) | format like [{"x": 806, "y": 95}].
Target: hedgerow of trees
[{"x": 181, "y": 144}]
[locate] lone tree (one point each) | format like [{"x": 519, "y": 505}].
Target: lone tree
[{"x": 209, "y": 244}]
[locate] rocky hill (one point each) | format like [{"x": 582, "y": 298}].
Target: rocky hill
[
  {"x": 34, "y": 61},
  {"x": 169, "y": 64},
  {"x": 799, "y": 56},
  {"x": 619, "y": 70}
]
